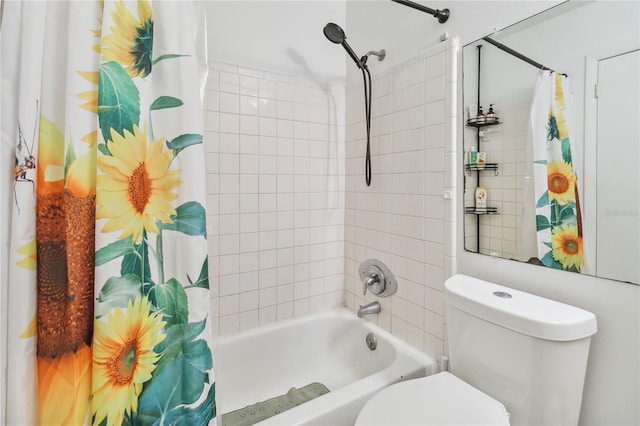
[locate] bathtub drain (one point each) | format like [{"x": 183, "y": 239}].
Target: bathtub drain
[{"x": 372, "y": 342}]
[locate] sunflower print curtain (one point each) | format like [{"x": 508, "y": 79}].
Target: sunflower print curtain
[
  {"x": 108, "y": 282},
  {"x": 558, "y": 219}
]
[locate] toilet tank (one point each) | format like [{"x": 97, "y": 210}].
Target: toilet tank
[{"x": 528, "y": 352}]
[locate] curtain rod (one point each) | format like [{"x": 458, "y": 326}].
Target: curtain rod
[
  {"x": 442, "y": 15},
  {"x": 519, "y": 55}
]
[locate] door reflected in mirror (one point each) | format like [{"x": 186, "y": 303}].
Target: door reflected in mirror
[{"x": 555, "y": 155}]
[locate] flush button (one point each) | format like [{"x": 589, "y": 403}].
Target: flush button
[{"x": 502, "y": 294}]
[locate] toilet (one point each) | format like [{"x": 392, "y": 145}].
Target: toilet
[{"x": 515, "y": 358}]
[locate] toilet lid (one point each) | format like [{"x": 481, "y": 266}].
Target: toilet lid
[{"x": 440, "y": 399}]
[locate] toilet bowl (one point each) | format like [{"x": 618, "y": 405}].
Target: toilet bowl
[
  {"x": 439, "y": 400},
  {"x": 515, "y": 358}
]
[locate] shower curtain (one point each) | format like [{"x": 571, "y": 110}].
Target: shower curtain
[
  {"x": 558, "y": 225},
  {"x": 107, "y": 290}
]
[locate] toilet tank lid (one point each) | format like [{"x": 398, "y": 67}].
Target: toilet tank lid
[{"x": 519, "y": 311}]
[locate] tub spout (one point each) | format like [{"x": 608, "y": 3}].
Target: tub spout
[{"x": 368, "y": 309}]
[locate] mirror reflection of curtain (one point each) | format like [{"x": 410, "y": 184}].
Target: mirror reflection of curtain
[
  {"x": 557, "y": 206},
  {"x": 108, "y": 312}
]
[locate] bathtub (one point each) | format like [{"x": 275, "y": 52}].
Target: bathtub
[{"x": 327, "y": 347}]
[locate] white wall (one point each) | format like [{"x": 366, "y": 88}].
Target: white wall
[{"x": 611, "y": 393}]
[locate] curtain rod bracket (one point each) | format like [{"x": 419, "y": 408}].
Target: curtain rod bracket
[{"x": 442, "y": 15}]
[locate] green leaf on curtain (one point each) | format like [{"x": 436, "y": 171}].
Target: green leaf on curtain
[
  {"x": 183, "y": 141},
  {"x": 113, "y": 251},
  {"x": 567, "y": 217},
  {"x": 167, "y": 56},
  {"x": 542, "y": 222},
  {"x": 117, "y": 292},
  {"x": 70, "y": 158},
  {"x": 177, "y": 336},
  {"x": 137, "y": 262},
  {"x": 543, "y": 201},
  {"x": 540, "y": 162},
  {"x": 171, "y": 299},
  {"x": 190, "y": 219},
  {"x": 548, "y": 244},
  {"x": 548, "y": 260},
  {"x": 164, "y": 102},
  {"x": 566, "y": 150},
  {"x": 200, "y": 415},
  {"x": 118, "y": 100},
  {"x": 176, "y": 384},
  {"x": 102, "y": 147},
  {"x": 552, "y": 129},
  {"x": 198, "y": 354},
  {"x": 203, "y": 278}
]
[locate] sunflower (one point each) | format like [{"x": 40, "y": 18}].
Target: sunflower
[
  {"x": 30, "y": 255},
  {"x": 123, "y": 359},
  {"x": 561, "y": 181},
  {"x": 561, "y": 123},
  {"x": 137, "y": 186},
  {"x": 90, "y": 96},
  {"x": 131, "y": 40},
  {"x": 566, "y": 246}
]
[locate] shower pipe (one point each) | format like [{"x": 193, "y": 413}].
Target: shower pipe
[
  {"x": 519, "y": 55},
  {"x": 442, "y": 15},
  {"x": 336, "y": 35}
]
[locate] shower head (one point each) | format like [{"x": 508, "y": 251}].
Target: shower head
[{"x": 335, "y": 34}]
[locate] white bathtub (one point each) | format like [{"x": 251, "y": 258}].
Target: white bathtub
[{"x": 327, "y": 347}]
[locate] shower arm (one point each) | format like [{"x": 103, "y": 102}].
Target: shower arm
[{"x": 442, "y": 15}]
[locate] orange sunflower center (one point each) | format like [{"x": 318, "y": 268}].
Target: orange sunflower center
[
  {"x": 123, "y": 364},
  {"x": 139, "y": 188},
  {"x": 571, "y": 246},
  {"x": 558, "y": 183}
]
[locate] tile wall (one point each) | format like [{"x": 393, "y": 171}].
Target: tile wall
[
  {"x": 275, "y": 184},
  {"x": 406, "y": 218}
]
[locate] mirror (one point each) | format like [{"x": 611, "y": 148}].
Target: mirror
[{"x": 596, "y": 45}]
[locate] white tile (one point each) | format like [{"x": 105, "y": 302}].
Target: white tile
[
  {"x": 229, "y": 102},
  {"x": 435, "y": 66},
  {"x": 229, "y": 82},
  {"x": 229, "y": 123},
  {"x": 284, "y": 91},
  {"x": 249, "y": 125},
  {"x": 268, "y": 89},
  {"x": 229, "y": 286},
  {"x": 229, "y": 143},
  {"x": 229, "y": 324},
  {"x": 267, "y": 314},
  {"x": 248, "y": 320},
  {"x": 249, "y": 85},
  {"x": 249, "y": 105},
  {"x": 284, "y": 110},
  {"x": 267, "y": 297},
  {"x": 249, "y": 164},
  {"x": 249, "y": 262},
  {"x": 249, "y": 241},
  {"x": 434, "y": 89},
  {"x": 249, "y": 281},
  {"x": 416, "y": 73},
  {"x": 268, "y": 108}
]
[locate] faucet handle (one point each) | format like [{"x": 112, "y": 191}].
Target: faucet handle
[
  {"x": 375, "y": 281},
  {"x": 371, "y": 280}
]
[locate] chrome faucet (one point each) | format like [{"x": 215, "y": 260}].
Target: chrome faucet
[{"x": 368, "y": 309}]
